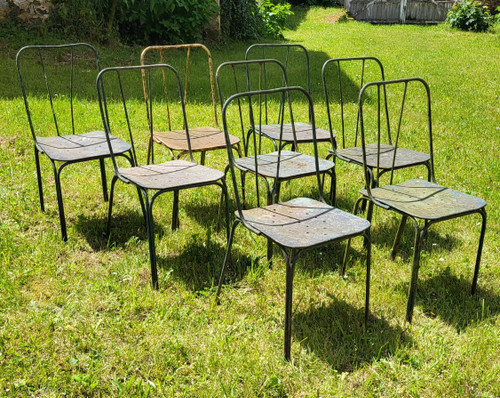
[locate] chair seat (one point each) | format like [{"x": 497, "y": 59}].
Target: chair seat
[
  {"x": 404, "y": 157},
  {"x": 175, "y": 174},
  {"x": 292, "y": 165},
  {"x": 426, "y": 200},
  {"x": 202, "y": 139},
  {"x": 303, "y": 132},
  {"x": 303, "y": 222},
  {"x": 80, "y": 147}
]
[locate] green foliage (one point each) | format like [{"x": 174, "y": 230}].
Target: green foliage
[
  {"x": 82, "y": 19},
  {"x": 239, "y": 19},
  {"x": 165, "y": 21},
  {"x": 274, "y": 17},
  {"x": 135, "y": 21},
  {"x": 471, "y": 16},
  {"x": 322, "y": 3},
  {"x": 247, "y": 19}
]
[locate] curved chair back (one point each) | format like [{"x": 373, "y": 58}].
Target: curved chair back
[
  {"x": 411, "y": 123},
  {"x": 134, "y": 112},
  {"x": 233, "y": 118},
  {"x": 342, "y": 80},
  {"x": 61, "y": 74}
]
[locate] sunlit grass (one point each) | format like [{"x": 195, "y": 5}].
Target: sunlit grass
[{"x": 81, "y": 318}]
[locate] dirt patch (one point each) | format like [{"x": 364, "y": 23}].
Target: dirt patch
[
  {"x": 339, "y": 16},
  {"x": 7, "y": 142}
]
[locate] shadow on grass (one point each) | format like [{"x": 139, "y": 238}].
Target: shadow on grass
[
  {"x": 199, "y": 264},
  {"x": 334, "y": 332},
  {"x": 124, "y": 226},
  {"x": 448, "y": 297}
]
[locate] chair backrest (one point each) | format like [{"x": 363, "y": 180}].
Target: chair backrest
[
  {"x": 342, "y": 82},
  {"x": 188, "y": 59},
  {"x": 293, "y": 56},
  {"x": 409, "y": 103},
  {"x": 234, "y": 122},
  {"x": 256, "y": 75},
  {"x": 130, "y": 115},
  {"x": 65, "y": 76}
]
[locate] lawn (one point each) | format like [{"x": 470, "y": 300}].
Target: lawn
[{"x": 81, "y": 318}]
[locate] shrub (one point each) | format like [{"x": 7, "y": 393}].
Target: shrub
[
  {"x": 246, "y": 19},
  {"x": 165, "y": 21},
  {"x": 470, "y": 15},
  {"x": 273, "y": 17}
]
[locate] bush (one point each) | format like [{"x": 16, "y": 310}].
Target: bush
[
  {"x": 81, "y": 19},
  {"x": 322, "y": 3},
  {"x": 273, "y": 17},
  {"x": 470, "y": 15},
  {"x": 165, "y": 21},
  {"x": 245, "y": 19}
]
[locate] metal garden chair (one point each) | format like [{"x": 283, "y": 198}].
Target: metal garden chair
[
  {"x": 424, "y": 202},
  {"x": 64, "y": 76},
  {"x": 203, "y": 138},
  {"x": 260, "y": 75},
  {"x": 123, "y": 112},
  {"x": 242, "y": 76},
  {"x": 341, "y": 89},
  {"x": 295, "y": 58},
  {"x": 298, "y": 224}
]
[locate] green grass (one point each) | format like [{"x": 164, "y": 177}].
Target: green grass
[{"x": 81, "y": 319}]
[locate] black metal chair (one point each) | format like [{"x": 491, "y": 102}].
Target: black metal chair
[
  {"x": 242, "y": 76},
  {"x": 60, "y": 75},
  {"x": 127, "y": 111},
  {"x": 295, "y": 58},
  {"x": 342, "y": 81},
  {"x": 261, "y": 75},
  {"x": 424, "y": 202},
  {"x": 203, "y": 138},
  {"x": 298, "y": 224}
]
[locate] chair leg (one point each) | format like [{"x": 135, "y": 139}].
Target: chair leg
[
  {"x": 202, "y": 158},
  {"x": 39, "y": 179},
  {"x": 227, "y": 258},
  {"x": 291, "y": 258},
  {"x": 333, "y": 188},
  {"x": 103, "y": 179},
  {"x": 110, "y": 206},
  {"x": 369, "y": 216},
  {"x": 223, "y": 198},
  {"x": 348, "y": 246},
  {"x": 419, "y": 235},
  {"x": 151, "y": 238},
  {"x": 397, "y": 239},
  {"x": 479, "y": 251},
  {"x": 62, "y": 218},
  {"x": 368, "y": 276},
  {"x": 175, "y": 211}
]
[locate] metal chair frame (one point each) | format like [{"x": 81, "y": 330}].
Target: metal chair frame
[
  {"x": 305, "y": 135},
  {"x": 63, "y": 150},
  {"x": 214, "y": 135},
  {"x": 297, "y": 225},
  {"x": 418, "y": 200},
  {"x": 281, "y": 128},
  {"x": 188, "y": 173},
  {"x": 407, "y": 158}
]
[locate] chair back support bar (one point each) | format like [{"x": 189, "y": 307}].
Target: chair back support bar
[
  {"x": 115, "y": 83},
  {"x": 401, "y": 131},
  {"x": 53, "y": 64}
]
